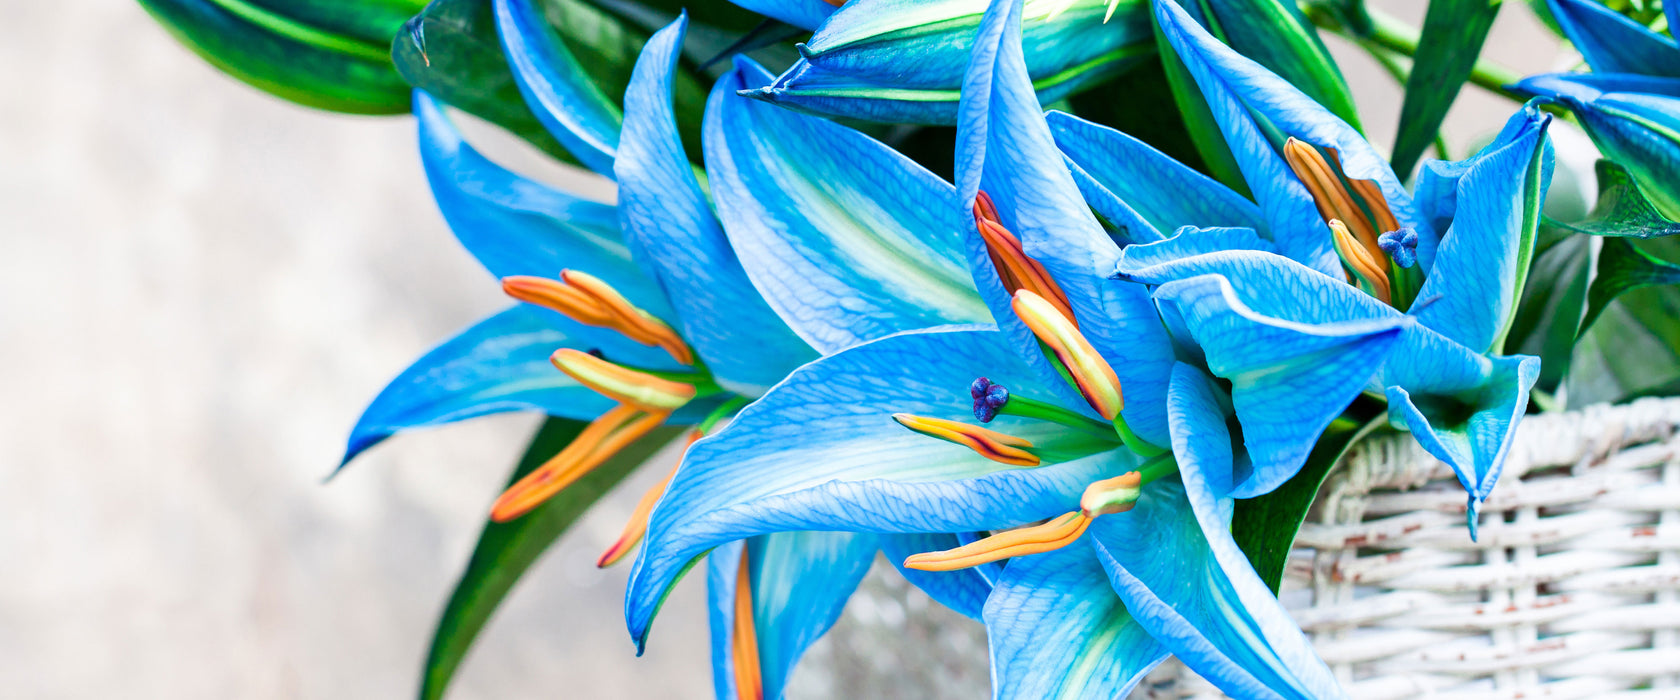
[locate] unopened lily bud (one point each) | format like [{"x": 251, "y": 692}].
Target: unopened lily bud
[
  {"x": 1091, "y": 373},
  {"x": 639, "y": 389},
  {"x": 854, "y": 65}
]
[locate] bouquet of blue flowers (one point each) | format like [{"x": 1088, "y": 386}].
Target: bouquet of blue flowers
[{"x": 1067, "y": 307}]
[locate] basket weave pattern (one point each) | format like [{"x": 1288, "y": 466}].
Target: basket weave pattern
[{"x": 1572, "y": 591}]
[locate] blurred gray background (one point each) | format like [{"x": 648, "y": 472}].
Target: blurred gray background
[{"x": 200, "y": 287}]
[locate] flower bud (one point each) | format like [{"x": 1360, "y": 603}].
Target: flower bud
[{"x": 854, "y": 66}]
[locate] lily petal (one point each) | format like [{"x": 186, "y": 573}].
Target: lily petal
[
  {"x": 847, "y": 239},
  {"x": 516, "y": 226},
  {"x": 1471, "y": 431},
  {"x": 1233, "y": 85},
  {"x": 805, "y": 14},
  {"x": 1190, "y": 241},
  {"x": 963, "y": 590},
  {"x": 556, "y": 88},
  {"x": 1612, "y": 43},
  {"x": 1004, "y": 147},
  {"x": 821, "y": 452},
  {"x": 1289, "y": 378},
  {"x": 1142, "y": 190},
  {"x": 1205, "y": 603},
  {"x": 672, "y": 230},
  {"x": 1057, "y": 630},
  {"x": 800, "y": 583},
  {"x": 1472, "y": 290},
  {"x": 500, "y": 364}
]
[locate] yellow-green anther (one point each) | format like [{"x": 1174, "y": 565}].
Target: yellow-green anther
[
  {"x": 640, "y": 389},
  {"x": 1090, "y": 373},
  {"x": 1109, "y": 496}
]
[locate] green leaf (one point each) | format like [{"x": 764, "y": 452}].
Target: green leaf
[
  {"x": 1453, "y": 34},
  {"x": 1265, "y": 526},
  {"x": 506, "y": 550},
  {"x": 1632, "y": 346},
  {"x": 1553, "y": 302},
  {"x": 1623, "y": 268},
  {"x": 1622, "y": 210},
  {"x": 286, "y": 56},
  {"x": 372, "y": 21}
]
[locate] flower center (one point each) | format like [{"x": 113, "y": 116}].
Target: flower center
[{"x": 1360, "y": 220}]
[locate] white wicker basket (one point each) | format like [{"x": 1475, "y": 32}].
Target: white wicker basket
[{"x": 1573, "y": 590}]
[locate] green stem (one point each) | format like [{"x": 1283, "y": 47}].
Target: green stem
[
  {"x": 1158, "y": 467},
  {"x": 725, "y": 410},
  {"x": 1139, "y": 445}
]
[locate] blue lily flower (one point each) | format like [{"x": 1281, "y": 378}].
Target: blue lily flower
[
  {"x": 1628, "y": 104},
  {"x": 1448, "y": 266},
  {"x": 659, "y": 320},
  {"x": 841, "y": 445},
  {"x": 855, "y": 67}
]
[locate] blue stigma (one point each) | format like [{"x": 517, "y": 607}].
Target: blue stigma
[
  {"x": 1400, "y": 245},
  {"x": 988, "y": 398}
]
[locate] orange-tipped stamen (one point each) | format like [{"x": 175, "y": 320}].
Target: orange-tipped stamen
[
  {"x": 1090, "y": 372},
  {"x": 557, "y": 296},
  {"x": 636, "y": 528},
  {"x": 1370, "y": 273},
  {"x": 1015, "y": 268},
  {"x": 640, "y": 389},
  {"x": 1110, "y": 496},
  {"x": 749, "y": 680},
  {"x": 629, "y": 314},
  {"x": 612, "y": 432},
  {"x": 1334, "y": 201},
  {"x": 1020, "y": 542},
  {"x": 988, "y": 443}
]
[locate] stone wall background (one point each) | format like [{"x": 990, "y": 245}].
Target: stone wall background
[{"x": 200, "y": 287}]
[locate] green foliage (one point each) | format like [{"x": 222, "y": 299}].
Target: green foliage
[
  {"x": 1622, "y": 210},
  {"x": 506, "y": 550},
  {"x": 1453, "y": 34},
  {"x": 1552, "y": 303},
  {"x": 1632, "y": 348},
  {"x": 330, "y": 56}
]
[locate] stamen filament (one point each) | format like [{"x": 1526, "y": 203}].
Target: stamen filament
[
  {"x": 605, "y": 437},
  {"x": 988, "y": 443},
  {"x": 636, "y": 527},
  {"x": 1020, "y": 542},
  {"x": 640, "y": 389},
  {"x": 1091, "y": 373},
  {"x": 749, "y": 678}
]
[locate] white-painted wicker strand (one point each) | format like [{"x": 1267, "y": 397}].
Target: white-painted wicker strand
[{"x": 1572, "y": 589}]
